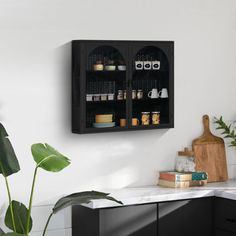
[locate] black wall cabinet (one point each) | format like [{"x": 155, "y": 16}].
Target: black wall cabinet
[{"x": 122, "y": 85}]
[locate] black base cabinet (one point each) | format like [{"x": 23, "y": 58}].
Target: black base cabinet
[
  {"x": 184, "y": 218},
  {"x": 138, "y": 220},
  {"x": 225, "y": 217},
  {"x": 220, "y": 232}
]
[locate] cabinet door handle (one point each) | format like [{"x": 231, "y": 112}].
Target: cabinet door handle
[{"x": 231, "y": 220}]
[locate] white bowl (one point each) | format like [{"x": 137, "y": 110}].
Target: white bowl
[
  {"x": 122, "y": 67},
  {"x": 110, "y": 67}
]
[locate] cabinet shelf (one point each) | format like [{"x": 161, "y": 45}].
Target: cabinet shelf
[
  {"x": 124, "y": 100},
  {"x": 131, "y": 128},
  {"x": 85, "y": 81}
]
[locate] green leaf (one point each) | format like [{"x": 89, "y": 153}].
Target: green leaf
[
  {"x": 8, "y": 160},
  {"x": 1, "y": 232},
  {"x": 80, "y": 198},
  {"x": 233, "y": 143},
  {"x": 48, "y": 158},
  {"x": 20, "y": 216},
  {"x": 14, "y": 234}
]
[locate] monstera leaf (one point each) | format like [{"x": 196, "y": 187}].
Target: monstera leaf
[
  {"x": 8, "y": 161},
  {"x": 80, "y": 198},
  {"x": 20, "y": 216},
  {"x": 1, "y": 232},
  {"x": 48, "y": 158},
  {"x": 14, "y": 234}
]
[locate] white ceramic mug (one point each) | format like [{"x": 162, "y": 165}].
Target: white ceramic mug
[
  {"x": 156, "y": 65},
  {"x": 153, "y": 94},
  {"x": 163, "y": 93}
]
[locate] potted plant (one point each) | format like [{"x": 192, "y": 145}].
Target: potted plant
[
  {"x": 229, "y": 131},
  {"x": 18, "y": 217}
]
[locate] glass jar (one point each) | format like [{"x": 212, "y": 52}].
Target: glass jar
[
  {"x": 134, "y": 94},
  {"x": 140, "y": 94},
  {"x": 120, "y": 95},
  {"x": 145, "y": 118},
  {"x": 155, "y": 117}
]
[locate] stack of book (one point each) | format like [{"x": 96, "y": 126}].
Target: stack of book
[{"x": 175, "y": 179}]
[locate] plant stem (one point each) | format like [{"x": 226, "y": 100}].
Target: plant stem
[
  {"x": 10, "y": 204},
  {"x": 31, "y": 201},
  {"x": 45, "y": 228}
]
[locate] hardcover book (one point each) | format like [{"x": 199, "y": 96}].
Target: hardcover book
[
  {"x": 181, "y": 184},
  {"x": 179, "y": 176},
  {"x": 173, "y": 184},
  {"x": 175, "y": 176}
]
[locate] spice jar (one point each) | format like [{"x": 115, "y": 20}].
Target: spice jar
[
  {"x": 134, "y": 94},
  {"x": 140, "y": 94},
  {"x": 96, "y": 97},
  {"x": 145, "y": 118},
  {"x": 103, "y": 97},
  {"x": 120, "y": 95},
  {"x": 124, "y": 94},
  {"x": 155, "y": 117}
]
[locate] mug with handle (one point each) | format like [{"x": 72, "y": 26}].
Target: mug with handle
[
  {"x": 153, "y": 93},
  {"x": 122, "y": 122},
  {"x": 135, "y": 121},
  {"x": 163, "y": 93}
]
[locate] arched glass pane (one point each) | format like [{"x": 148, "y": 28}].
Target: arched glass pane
[
  {"x": 105, "y": 88},
  {"x": 150, "y": 87}
]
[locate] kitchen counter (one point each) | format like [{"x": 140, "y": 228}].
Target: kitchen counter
[{"x": 151, "y": 194}]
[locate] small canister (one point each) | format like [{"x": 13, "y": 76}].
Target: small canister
[
  {"x": 96, "y": 97},
  {"x": 103, "y": 97},
  {"x": 124, "y": 94},
  {"x": 134, "y": 94},
  {"x": 120, "y": 95},
  {"x": 140, "y": 94},
  {"x": 145, "y": 118},
  {"x": 155, "y": 117}
]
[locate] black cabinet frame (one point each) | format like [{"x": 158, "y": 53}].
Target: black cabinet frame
[{"x": 128, "y": 49}]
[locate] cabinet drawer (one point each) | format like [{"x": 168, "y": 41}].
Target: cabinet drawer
[
  {"x": 219, "y": 232},
  {"x": 225, "y": 214},
  {"x": 140, "y": 220},
  {"x": 186, "y": 218}
]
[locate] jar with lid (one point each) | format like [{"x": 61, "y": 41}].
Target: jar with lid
[
  {"x": 145, "y": 118},
  {"x": 120, "y": 95},
  {"x": 140, "y": 94},
  {"x": 155, "y": 117},
  {"x": 124, "y": 94}
]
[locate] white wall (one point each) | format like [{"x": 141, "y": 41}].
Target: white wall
[{"x": 35, "y": 71}]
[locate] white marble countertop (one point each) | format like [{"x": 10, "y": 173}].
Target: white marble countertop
[{"x": 151, "y": 194}]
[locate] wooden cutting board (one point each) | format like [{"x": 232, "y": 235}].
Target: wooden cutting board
[{"x": 209, "y": 153}]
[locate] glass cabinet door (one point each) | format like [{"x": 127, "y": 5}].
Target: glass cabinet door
[
  {"x": 106, "y": 87},
  {"x": 150, "y": 87}
]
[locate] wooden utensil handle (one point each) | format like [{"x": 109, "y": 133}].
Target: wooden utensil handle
[{"x": 206, "y": 125}]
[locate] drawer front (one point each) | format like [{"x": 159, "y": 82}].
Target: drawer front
[
  {"x": 138, "y": 220},
  {"x": 219, "y": 232},
  {"x": 225, "y": 214},
  {"x": 186, "y": 218}
]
